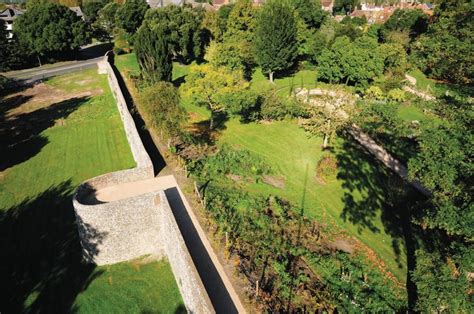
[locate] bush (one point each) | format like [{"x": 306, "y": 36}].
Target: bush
[
  {"x": 326, "y": 167},
  {"x": 161, "y": 103},
  {"x": 230, "y": 161},
  {"x": 374, "y": 92},
  {"x": 275, "y": 108},
  {"x": 396, "y": 94}
]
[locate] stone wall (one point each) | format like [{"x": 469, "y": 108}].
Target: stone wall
[
  {"x": 140, "y": 225},
  {"x": 189, "y": 283}
]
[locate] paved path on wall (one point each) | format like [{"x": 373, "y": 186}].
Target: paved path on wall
[
  {"x": 388, "y": 160},
  {"x": 220, "y": 291},
  {"x": 35, "y": 74}
]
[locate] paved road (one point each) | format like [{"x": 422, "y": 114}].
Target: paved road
[{"x": 39, "y": 73}]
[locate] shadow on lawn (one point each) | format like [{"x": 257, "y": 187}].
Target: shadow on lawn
[
  {"x": 20, "y": 134},
  {"x": 202, "y": 132},
  {"x": 41, "y": 254},
  {"x": 385, "y": 197}
]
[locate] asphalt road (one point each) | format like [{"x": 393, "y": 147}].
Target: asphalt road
[{"x": 35, "y": 74}]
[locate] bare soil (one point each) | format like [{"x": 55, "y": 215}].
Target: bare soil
[{"x": 41, "y": 96}]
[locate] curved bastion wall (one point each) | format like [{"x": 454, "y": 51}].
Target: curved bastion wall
[{"x": 131, "y": 227}]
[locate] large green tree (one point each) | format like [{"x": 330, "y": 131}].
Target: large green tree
[
  {"x": 355, "y": 62},
  {"x": 130, "y": 15},
  {"x": 153, "y": 54},
  {"x": 445, "y": 51},
  {"x": 276, "y": 42},
  {"x": 183, "y": 24},
  {"x": 48, "y": 29},
  {"x": 214, "y": 88}
]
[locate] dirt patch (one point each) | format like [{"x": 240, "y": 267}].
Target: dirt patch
[
  {"x": 344, "y": 245},
  {"x": 275, "y": 181},
  {"x": 40, "y": 96},
  {"x": 234, "y": 177}
]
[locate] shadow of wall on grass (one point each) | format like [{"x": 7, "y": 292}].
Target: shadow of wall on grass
[
  {"x": 385, "y": 198},
  {"x": 42, "y": 265},
  {"x": 156, "y": 158},
  {"x": 20, "y": 134}
]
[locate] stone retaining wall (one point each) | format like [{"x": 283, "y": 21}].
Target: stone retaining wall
[{"x": 141, "y": 225}]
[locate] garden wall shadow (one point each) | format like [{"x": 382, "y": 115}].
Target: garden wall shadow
[
  {"x": 386, "y": 198},
  {"x": 42, "y": 264},
  {"x": 157, "y": 159},
  {"x": 20, "y": 135}
]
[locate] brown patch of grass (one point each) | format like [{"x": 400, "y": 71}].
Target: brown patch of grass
[{"x": 42, "y": 95}]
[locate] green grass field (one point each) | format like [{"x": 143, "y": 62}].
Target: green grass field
[
  {"x": 49, "y": 146},
  {"x": 356, "y": 201},
  {"x": 132, "y": 288}
]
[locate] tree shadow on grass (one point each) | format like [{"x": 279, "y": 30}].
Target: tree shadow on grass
[
  {"x": 42, "y": 264},
  {"x": 202, "y": 133},
  {"x": 20, "y": 134},
  {"x": 385, "y": 198}
]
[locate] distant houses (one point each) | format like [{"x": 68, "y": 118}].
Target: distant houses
[{"x": 9, "y": 15}]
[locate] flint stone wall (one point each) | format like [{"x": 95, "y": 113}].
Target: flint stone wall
[{"x": 144, "y": 224}]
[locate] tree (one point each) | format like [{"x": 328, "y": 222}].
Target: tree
[
  {"x": 275, "y": 38},
  {"x": 105, "y": 23},
  {"x": 213, "y": 87},
  {"x": 445, "y": 51},
  {"x": 183, "y": 24},
  {"x": 91, "y": 10},
  {"x": 413, "y": 21},
  {"x": 161, "y": 101},
  {"x": 130, "y": 15},
  {"x": 395, "y": 58},
  {"x": 153, "y": 54},
  {"x": 230, "y": 55},
  {"x": 330, "y": 60},
  {"x": 355, "y": 62},
  {"x": 345, "y": 6},
  {"x": 329, "y": 115},
  {"x": 241, "y": 21},
  {"x": 50, "y": 29},
  {"x": 4, "y": 52},
  {"x": 443, "y": 283},
  {"x": 310, "y": 11}
]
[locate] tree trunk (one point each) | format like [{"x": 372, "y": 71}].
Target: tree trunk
[
  {"x": 347, "y": 80},
  {"x": 270, "y": 75},
  {"x": 325, "y": 142},
  {"x": 211, "y": 122},
  {"x": 39, "y": 60}
]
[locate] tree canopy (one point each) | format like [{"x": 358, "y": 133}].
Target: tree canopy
[
  {"x": 50, "y": 28},
  {"x": 448, "y": 42},
  {"x": 130, "y": 15},
  {"x": 183, "y": 24},
  {"x": 153, "y": 53},
  {"x": 277, "y": 52}
]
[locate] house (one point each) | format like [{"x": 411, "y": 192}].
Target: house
[
  {"x": 327, "y": 5},
  {"x": 9, "y": 15}
]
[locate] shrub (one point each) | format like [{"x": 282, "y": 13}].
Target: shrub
[
  {"x": 374, "y": 92},
  {"x": 276, "y": 108},
  {"x": 161, "y": 103},
  {"x": 326, "y": 167},
  {"x": 230, "y": 161},
  {"x": 396, "y": 94}
]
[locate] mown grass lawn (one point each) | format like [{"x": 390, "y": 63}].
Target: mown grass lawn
[
  {"x": 69, "y": 131},
  {"x": 133, "y": 288},
  {"x": 357, "y": 193},
  {"x": 355, "y": 201}
]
